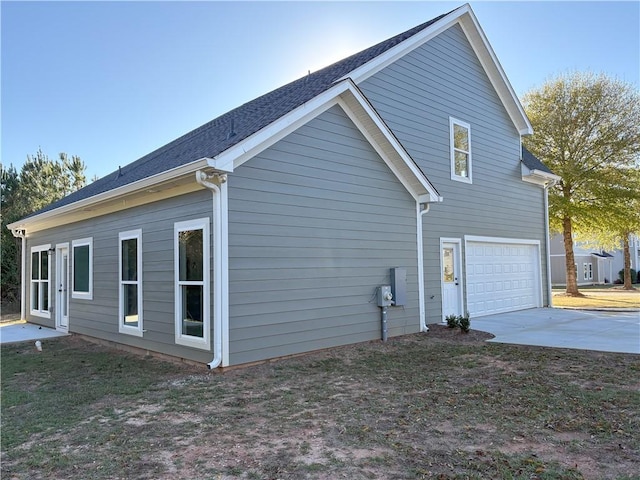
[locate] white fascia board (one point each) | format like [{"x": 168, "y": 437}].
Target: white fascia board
[
  {"x": 128, "y": 189},
  {"x": 236, "y": 155},
  {"x": 403, "y": 166},
  {"x": 469, "y": 24},
  {"x": 492, "y": 67},
  {"x": 538, "y": 177},
  {"x": 350, "y": 99}
]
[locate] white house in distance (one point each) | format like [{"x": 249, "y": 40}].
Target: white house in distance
[{"x": 593, "y": 266}]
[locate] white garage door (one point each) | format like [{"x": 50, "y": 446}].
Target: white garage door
[{"x": 502, "y": 277}]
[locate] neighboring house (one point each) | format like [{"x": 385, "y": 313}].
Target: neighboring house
[
  {"x": 593, "y": 267},
  {"x": 269, "y": 230}
]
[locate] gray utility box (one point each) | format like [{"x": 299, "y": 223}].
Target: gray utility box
[
  {"x": 385, "y": 297},
  {"x": 399, "y": 285}
]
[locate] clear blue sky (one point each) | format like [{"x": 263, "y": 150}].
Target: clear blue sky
[{"x": 112, "y": 81}]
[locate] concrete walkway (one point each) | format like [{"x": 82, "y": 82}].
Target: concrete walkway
[
  {"x": 603, "y": 331},
  {"x": 23, "y": 332}
]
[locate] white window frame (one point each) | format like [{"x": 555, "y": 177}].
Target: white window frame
[
  {"x": 80, "y": 294},
  {"x": 452, "y": 123},
  {"x": 203, "y": 342},
  {"x": 40, "y": 312},
  {"x": 588, "y": 271},
  {"x": 122, "y": 327}
]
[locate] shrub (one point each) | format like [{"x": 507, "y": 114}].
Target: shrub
[
  {"x": 465, "y": 323},
  {"x": 452, "y": 321},
  {"x": 634, "y": 276}
]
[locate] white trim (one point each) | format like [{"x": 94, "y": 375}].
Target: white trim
[
  {"x": 79, "y": 294},
  {"x": 180, "y": 338},
  {"x": 467, "y": 20},
  {"x": 452, "y": 151},
  {"x": 122, "y": 327},
  {"x": 59, "y": 248},
  {"x": 521, "y": 241},
  {"x": 461, "y": 267},
  {"x": 83, "y": 208},
  {"x": 347, "y": 95},
  {"x": 40, "y": 313}
]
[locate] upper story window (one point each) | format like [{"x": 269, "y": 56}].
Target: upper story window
[
  {"x": 40, "y": 285},
  {"x": 82, "y": 276},
  {"x": 460, "y": 137}
]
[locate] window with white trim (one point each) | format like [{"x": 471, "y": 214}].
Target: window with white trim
[
  {"x": 460, "y": 138},
  {"x": 40, "y": 284},
  {"x": 130, "y": 282},
  {"x": 192, "y": 283},
  {"x": 588, "y": 271},
  {"x": 82, "y": 269}
]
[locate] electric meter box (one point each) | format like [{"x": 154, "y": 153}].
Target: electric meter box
[
  {"x": 399, "y": 285},
  {"x": 385, "y": 297}
]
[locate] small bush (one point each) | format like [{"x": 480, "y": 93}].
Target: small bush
[
  {"x": 465, "y": 323},
  {"x": 452, "y": 321},
  {"x": 634, "y": 276}
]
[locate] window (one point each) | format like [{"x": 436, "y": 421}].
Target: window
[
  {"x": 130, "y": 283},
  {"x": 82, "y": 269},
  {"x": 192, "y": 288},
  {"x": 588, "y": 271},
  {"x": 40, "y": 285},
  {"x": 460, "y": 137}
]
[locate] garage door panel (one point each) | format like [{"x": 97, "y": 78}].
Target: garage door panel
[{"x": 501, "y": 277}]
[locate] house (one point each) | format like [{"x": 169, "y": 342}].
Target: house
[
  {"x": 270, "y": 230},
  {"x": 593, "y": 266}
]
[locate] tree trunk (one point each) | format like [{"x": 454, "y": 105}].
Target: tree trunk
[
  {"x": 627, "y": 263},
  {"x": 567, "y": 234}
]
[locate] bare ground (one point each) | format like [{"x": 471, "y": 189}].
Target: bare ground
[{"x": 439, "y": 405}]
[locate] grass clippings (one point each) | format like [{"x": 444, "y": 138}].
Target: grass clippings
[{"x": 443, "y": 405}]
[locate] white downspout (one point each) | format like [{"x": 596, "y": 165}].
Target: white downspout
[
  {"x": 421, "y": 300},
  {"x": 202, "y": 178},
  {"x": 547, "y": 240},
  {"x": 20, "y": 233}
]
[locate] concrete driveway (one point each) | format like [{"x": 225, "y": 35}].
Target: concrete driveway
[{"x": 603, "y": 331}]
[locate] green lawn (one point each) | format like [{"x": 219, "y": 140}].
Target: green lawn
[{"x": 420, "y": 406}]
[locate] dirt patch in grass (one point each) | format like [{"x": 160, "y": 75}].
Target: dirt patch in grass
[{"x": 443, "y": 404}]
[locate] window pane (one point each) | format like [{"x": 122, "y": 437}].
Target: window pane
[
  {"x": 35, "y": 265},
  {"x": 45, "y": 296},
  {"x": 44, "y": 265},
  {"x": 130, "y": 259},
  {"x": 447, "y": 265},
  {"x": 190, "y": 243},
  {"x": 462, "y": 161},
  {"x": 460, "y": 138},
  {"x": 81, "y": 268},
  {"x": 35, "y": 296},
  {"x": 130, "y": 305},
  {"x": 192, "y": 313}
]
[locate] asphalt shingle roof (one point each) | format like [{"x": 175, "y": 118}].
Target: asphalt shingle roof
[
  {"x": 213, "y": 137},
  {"x": 532, "y": 162}
]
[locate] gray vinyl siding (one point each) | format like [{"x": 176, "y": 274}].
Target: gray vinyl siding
[
  {"x": 99, "y": 317},
  {"x": 315, "y": 223},
  {"x": 415, "y": 96}
]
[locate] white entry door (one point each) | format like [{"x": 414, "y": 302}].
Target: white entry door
[
  {"x": 451, "y": 279},
  {"x": 62, "y": 287}
]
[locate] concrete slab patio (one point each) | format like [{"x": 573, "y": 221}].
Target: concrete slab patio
[
  {"x": 603, "y": 331},
  {"x": 23, "y": 332}
]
